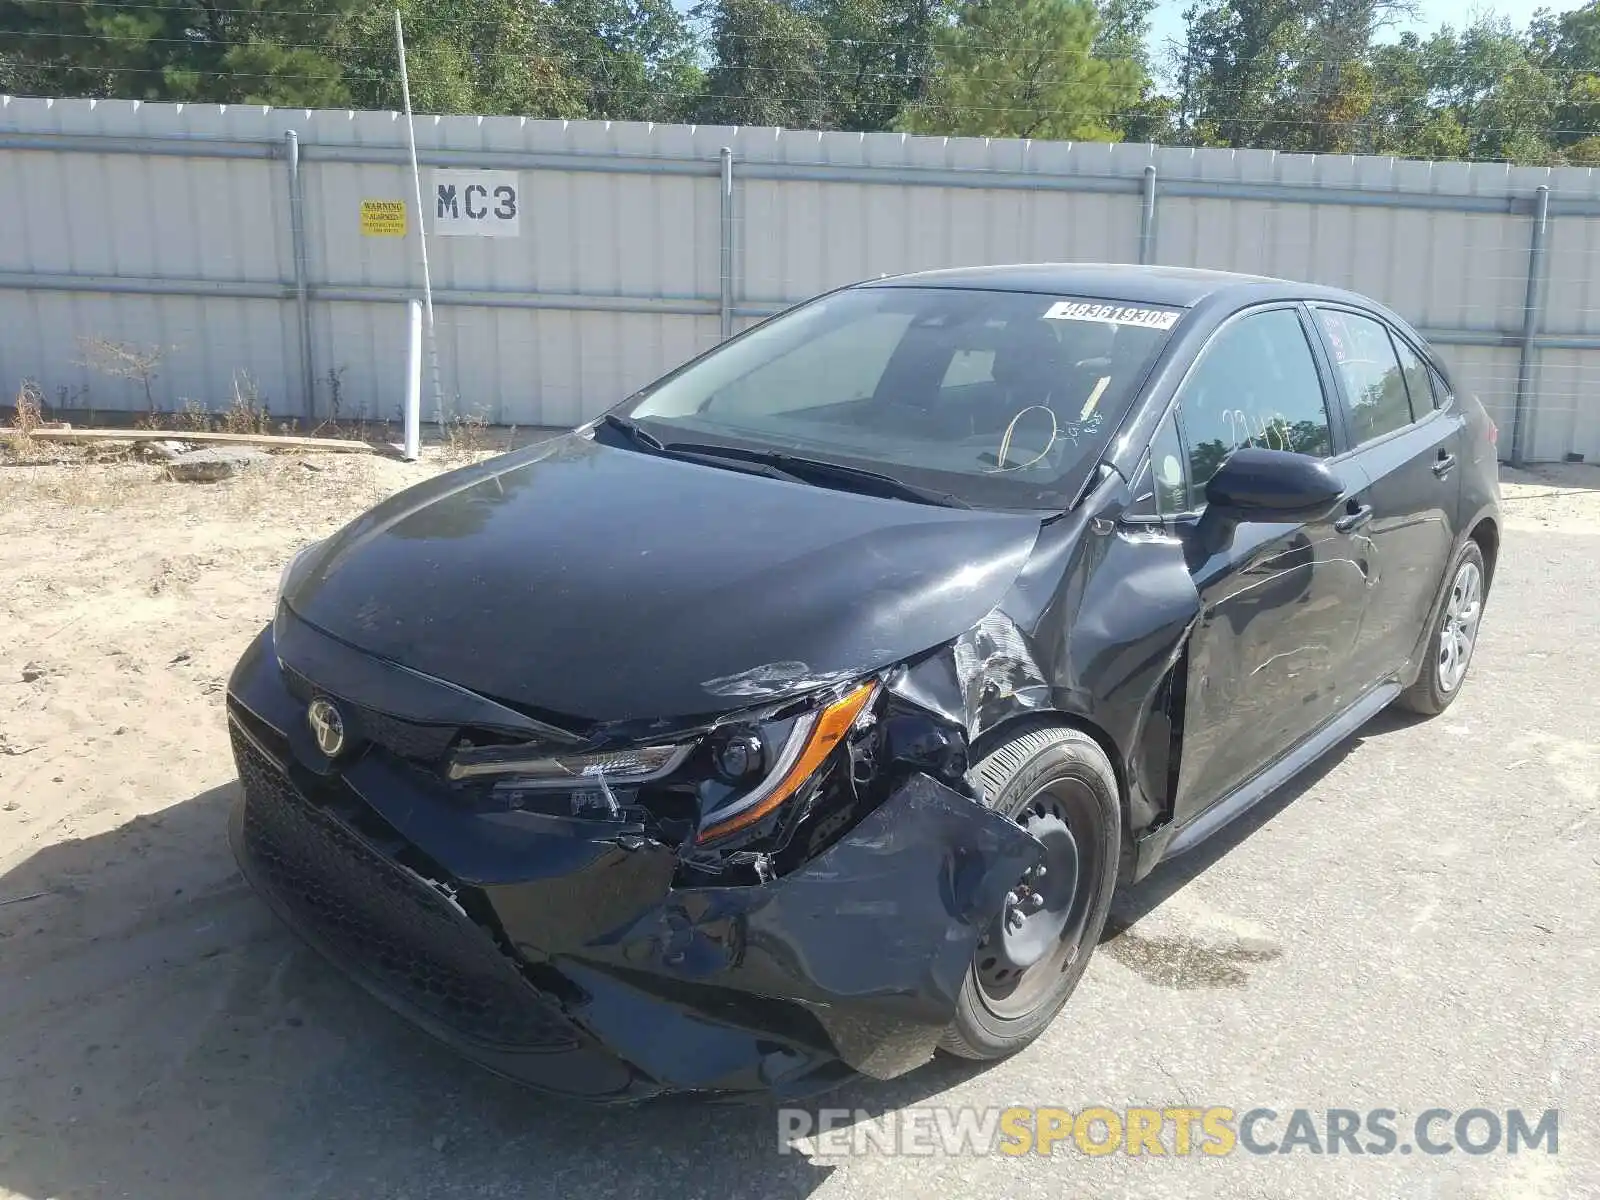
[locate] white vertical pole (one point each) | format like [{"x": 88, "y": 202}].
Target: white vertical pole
[
  {"x": 422, "y": 231},
  {"x": 725, "y": 266},
  {"x": 413, "y": 443}
]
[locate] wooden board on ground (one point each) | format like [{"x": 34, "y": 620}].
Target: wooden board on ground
[{"x": 283, "y": 441}]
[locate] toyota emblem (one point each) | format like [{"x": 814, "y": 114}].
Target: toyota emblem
[{"x": 327, "y": 726}]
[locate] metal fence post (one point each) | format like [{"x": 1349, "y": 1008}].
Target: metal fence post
[
  {"x": 726, "y": 238},
  {"x": 297, "y": 237},
  {"x": 1532, "y": 312},
  {"x": 1147, "y": 218}
]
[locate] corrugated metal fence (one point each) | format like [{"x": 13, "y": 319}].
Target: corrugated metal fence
[{"x": 574, "y": 261}]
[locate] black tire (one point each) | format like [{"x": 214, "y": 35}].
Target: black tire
[
  {"x": 1045, "y": 778},
  {"x": 1433, "y": 691}
]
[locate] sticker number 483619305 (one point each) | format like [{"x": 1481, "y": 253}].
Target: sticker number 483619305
[{"x": 1119, "y": 314}]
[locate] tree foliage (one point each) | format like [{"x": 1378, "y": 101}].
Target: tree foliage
[
  {"x": 1315, "y": 76},
  {"x": 244, "y": 51},
  {"x": 770, "y": 66},
  {"x": 1025, "y": 68}
]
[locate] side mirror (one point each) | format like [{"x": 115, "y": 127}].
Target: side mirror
[{"x": 1255, "y": 484}]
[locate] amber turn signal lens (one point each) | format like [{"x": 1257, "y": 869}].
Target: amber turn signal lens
[{"x": 828, "y": 731}]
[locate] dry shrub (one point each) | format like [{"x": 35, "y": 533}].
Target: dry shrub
[
  {"x": 247, "y": 412},
  {"x": 465, "y": 436},
  {"x": 18, "y": 439},
  {"x": 122, "y": 360}
]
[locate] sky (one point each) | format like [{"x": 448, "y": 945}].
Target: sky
[{"x": 1168, "y": 18}]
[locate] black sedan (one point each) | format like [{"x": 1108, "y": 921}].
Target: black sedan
[{"x": 797, "y": 717}]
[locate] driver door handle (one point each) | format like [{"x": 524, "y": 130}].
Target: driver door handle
[{"x": 1354, "y": 518}]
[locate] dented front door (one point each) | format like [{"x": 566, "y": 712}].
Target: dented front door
[
  {"x": 1280, "y": 603},
  {"x": 1271, "y": 654}
]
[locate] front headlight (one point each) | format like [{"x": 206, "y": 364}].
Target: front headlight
[
  {"x": 749, "y": 764},
  {"x": 811, "y": 737},
  {"x": 517, "y": 768}
]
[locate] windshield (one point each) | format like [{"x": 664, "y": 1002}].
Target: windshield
[{"x": 1000, "y": 398}]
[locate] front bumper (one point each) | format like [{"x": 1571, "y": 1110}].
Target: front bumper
[{"x": 559, "y": 953}]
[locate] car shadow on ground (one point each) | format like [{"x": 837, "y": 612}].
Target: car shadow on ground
[
  {"x": 162, "y": 1036},
  {"x": 1135, "y": 902}
]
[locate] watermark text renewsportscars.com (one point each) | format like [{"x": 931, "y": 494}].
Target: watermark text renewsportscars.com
[{"x": 1212, "y": 1131}]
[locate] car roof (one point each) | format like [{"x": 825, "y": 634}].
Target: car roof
[{"x": 1182, "y": 287}]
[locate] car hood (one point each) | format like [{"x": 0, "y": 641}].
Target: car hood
[{"x": 595, "y": 584}]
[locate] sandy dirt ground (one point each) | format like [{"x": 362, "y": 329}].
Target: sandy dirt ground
[{"x": 139, "y": 1030}]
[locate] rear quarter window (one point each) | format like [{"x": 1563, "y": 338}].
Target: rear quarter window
[{"x": 1419, "y": 381}]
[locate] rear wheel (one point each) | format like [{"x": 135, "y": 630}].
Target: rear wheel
[
  {"x": 1453, "y": 638},
  {"x": 1059, "y": 786}
]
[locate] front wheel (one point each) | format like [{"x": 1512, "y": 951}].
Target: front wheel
[
  {"x": 1059, "y": 786},
  {"x": 1452, "y": 639}
]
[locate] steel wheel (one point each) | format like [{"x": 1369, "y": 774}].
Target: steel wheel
[
  {"x": 1040, "y": 931},
  {"x": 1058, "y": 785}
]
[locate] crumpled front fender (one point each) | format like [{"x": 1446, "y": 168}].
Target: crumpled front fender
[{"x": 874, "y": 936}]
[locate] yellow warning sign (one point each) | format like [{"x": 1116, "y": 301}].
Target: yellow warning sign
[{"x": 383, "y": 218}]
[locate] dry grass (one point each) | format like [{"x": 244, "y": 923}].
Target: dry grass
[
  {"x": 246, "y": 413},
  {"x": 464, "y": 436},
  {"x": 311, "y": 485},
  {"x": 17, "y": 441}
]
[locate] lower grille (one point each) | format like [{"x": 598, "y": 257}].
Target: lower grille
[{"x": 383, "y": 921}]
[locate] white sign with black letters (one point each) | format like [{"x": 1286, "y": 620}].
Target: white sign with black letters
[{"x": 476, "y": 204}]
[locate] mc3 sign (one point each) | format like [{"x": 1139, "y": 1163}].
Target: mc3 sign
[{"x": 476, "y": 203}]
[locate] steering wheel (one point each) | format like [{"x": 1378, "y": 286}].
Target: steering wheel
[{"x": 1012, "y": 452}]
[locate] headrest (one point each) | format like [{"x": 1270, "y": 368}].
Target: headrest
[{"x": 1027, "y": 355}]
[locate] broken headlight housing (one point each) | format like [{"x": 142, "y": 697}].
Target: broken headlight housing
[
  {"x": 794, "y": 747},
  {"x": 515, "y": 766},
  {"x": 744, "y": 768}
]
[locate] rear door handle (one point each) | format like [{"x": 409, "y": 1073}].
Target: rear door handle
[
  {"x": 1355, "y": 518},
  {"x": 1446, "y": 462}
]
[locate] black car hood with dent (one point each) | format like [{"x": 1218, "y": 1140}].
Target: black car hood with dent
[{"x": 603, "y": 584}]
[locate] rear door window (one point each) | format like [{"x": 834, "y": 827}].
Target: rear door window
[{"x": 1374, "y": 385}]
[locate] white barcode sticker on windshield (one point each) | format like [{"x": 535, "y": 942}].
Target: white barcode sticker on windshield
[{"x": 1117, "y": 314}]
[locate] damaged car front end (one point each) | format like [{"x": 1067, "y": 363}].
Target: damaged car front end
[{"x": 612, "y": 923}]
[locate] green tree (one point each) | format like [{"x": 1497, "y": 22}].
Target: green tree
[
  {"x": 1329, "y": 106},
  {"x": 634, "y": 59},
  {"x": 1025, "y": 68},
  {"x": 1124, "y": 37},
  {"x": 493, "y": 57},
  {"x": 1567, "y": 49},
  {"x": 250, "y": 51},
  {"x": 1487, "y": 82},
  {"x": 1232, "y": 70},
  {"x": 1400, "y": 109},
  {"x": 879, "y": 57},
  {"x": 769, "y": 66}
]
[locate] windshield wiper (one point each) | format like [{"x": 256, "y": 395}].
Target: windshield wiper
[
  {"x": 777, "y": 465},
  {"x": 632, "y": 430},
  {"x": 647, "y": 441},
  {"x": 818, "y": 470}
]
